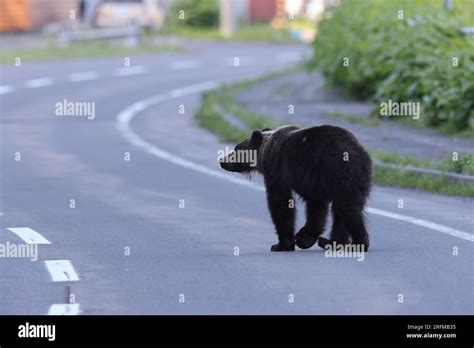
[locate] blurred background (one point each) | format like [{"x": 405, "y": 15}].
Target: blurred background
[
  {"x": 153, "y": 89},
  {"x": 50, "y": 15}
]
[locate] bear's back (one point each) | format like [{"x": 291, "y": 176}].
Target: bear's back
[{"x": 325, "y": 160}]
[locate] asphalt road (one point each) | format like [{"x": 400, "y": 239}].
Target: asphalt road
[{"x": 158, "y": 234}]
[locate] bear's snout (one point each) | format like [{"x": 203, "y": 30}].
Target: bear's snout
[{"x": 227, "y": 165}]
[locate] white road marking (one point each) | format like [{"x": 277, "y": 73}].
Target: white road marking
[
  {"x": 65, "y": 309},
  {"x": 61, "y": 271},
  {"x": 287, "y": 57},
  {"x": 424, "y": 223},
  {"x": 28, "y": 235},
  {"x": 83, "y": 76},
  {"x": 126, "y": 115},
  {"x": 36, "y": 83},
  {"x": 6, "y": 89},
  {"x": 123, "y": 125},
  {"x": 184, "y": 65},
  {"x": 130, "y": 70}
]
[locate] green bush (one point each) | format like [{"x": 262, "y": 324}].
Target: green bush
[
  {"x": 408, "y": 59},
  {"x": 197, "y": 13}
]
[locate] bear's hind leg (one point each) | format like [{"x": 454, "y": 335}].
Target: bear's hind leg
[
  {"x": 356, "y": 226},
  {"x": 339, "y": 231},
  {"x": 316, "y": 214},
  {"x": 283, "y": 217}
]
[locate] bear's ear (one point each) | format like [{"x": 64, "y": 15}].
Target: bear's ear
[
  {"x": 256, "y": 139},
  {"x": 266, "y": 129}
]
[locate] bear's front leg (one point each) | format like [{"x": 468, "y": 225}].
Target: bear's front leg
[{"x": 283, "y": 216}]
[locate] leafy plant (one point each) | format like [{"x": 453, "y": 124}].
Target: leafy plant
[
  {"x": 404, "y": 50},
  {"x": 194, "y": 13}
]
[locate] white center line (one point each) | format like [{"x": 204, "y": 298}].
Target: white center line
[
  {"x": 184, "y": 65},
  {"x": 62, "y": 271},
  {"x": 83, "y": 76},
  {"x": 123, "y": 125},
  {"x": 36, "y": 83},
  {"x": 6, "y": 89},
  {"x": 65, "y": 309},
  {"x": 28, "y": 235},
  {"x": 130, "y": 70}
]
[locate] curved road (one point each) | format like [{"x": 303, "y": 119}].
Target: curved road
[{"x": 130, "y": 213}]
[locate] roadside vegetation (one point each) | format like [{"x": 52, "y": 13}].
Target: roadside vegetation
[{"x": 403, "y": 50}]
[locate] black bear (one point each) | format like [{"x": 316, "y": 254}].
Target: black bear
[{"x": 323, "y": 165}]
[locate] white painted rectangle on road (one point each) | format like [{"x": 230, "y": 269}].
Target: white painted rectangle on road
[
  {"x": 130, "y": 70},
  {"x": 29, "y": 235},
  {"x": 36, "y": 83},
  {"x": 83, "y": 76},
  {"x": 65, "y": 309},
  {"x": 6, "y": 89},
  {"x": 62, "y": 271}
]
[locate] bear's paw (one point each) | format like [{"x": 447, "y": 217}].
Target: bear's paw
[
  {"x": 283, "y": 247},
  {"x": 304, "y": 240}
]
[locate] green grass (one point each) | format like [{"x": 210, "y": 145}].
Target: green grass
[
  {"x": 82, "y": 50},
  {"x": 360, "y": 120},
  {"x": 253, "y": 120},
  {"x": 208, "y": 118},
  {"x": 401, "y": 178},
  {"x": 252, "y": 32},
  {"x": 444, "y": 129},
  {"x": 464, "y": 164}
]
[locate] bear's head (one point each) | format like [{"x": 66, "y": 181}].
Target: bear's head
[{"x": 245, "y": 155}]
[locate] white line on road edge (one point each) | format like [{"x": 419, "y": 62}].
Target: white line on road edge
[
  {"x": 425, "y": 223},
  {"x": 28, "y": 235},
  {"x": 36, "y": 83},
  {"x": 83, "y": 76},
  {"x": 6, "y": 89},
  {"x": 65, "y": 309},
  {"x": 123, "y": 125},
  {"x": 130, "y": 70},
  {"x": 184, "y": 65},
  {"x": 61, "y": 271}
]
